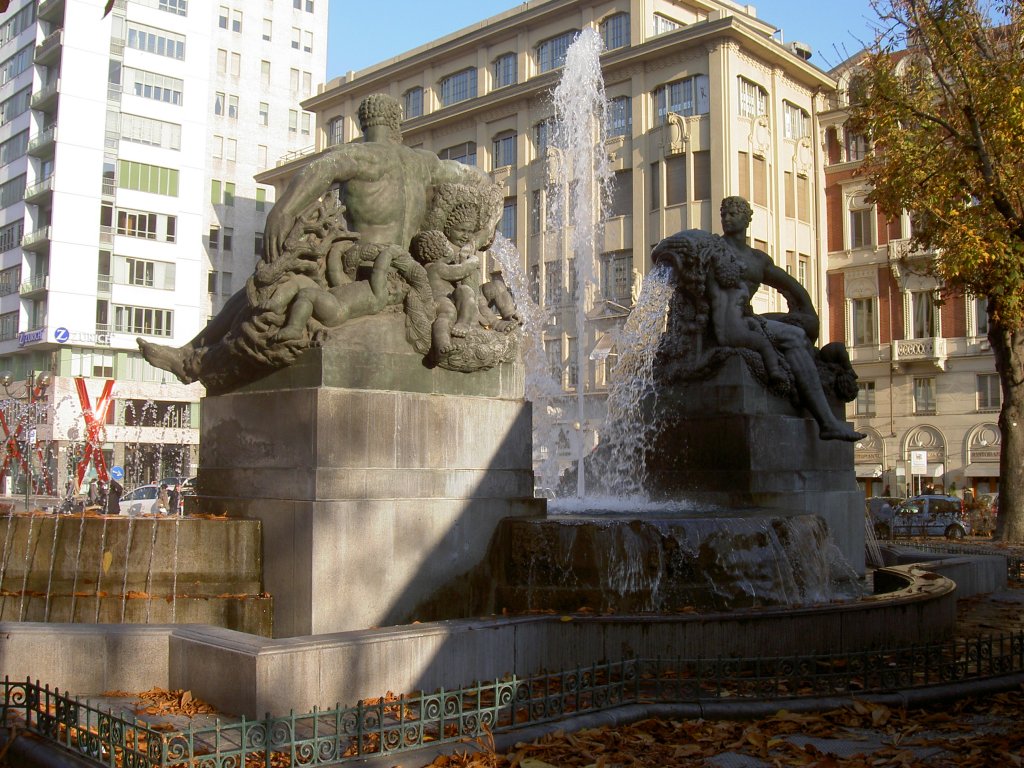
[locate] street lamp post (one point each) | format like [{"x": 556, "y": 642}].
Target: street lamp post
[{"x": 28, "y": 418}]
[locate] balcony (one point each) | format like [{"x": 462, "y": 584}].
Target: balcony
[
  {"x": 51, "y": 10},
  {"x": 39, "y": 240},
  {"x": 930, "y": 350},
  {"x": 48, "y": 51},
  {"x": 40, "y": 192},
  {"x": 45, "y": 99},
  {"x": 42, "y": 144},
  {"x": 34, "y": 286}
]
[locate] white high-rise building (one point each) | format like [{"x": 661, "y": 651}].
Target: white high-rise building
[{"x": 128, "y": 145}]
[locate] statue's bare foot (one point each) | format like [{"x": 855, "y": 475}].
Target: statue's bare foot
[
  {"x": 166, "y": 358},
  {"x": 506, "y": 326},
  {"x": 287, "y": 333},
  {"x": 841, "y": 432},
  {"x": 460, "y": 330}
]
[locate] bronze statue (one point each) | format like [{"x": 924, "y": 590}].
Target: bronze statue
[
  {"x": 337, "y": 247},
  {"x": 711, "y": 318}
]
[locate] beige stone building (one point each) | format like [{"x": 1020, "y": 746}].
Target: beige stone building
[
  {"x": 705, "y": 102},
  {"x": 927, "y": 377}
]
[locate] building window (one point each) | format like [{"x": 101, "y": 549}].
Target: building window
[
  {"x": 675, "y": 180},
  {"x": 507, "y": 225},
  {"x": 222, "y": 17},
  {"x": 990, "y": 394},
  {"x": 9, "y": 325},
  {"x": 261, "y": 199},
  {"x": 464, "y": 153},
  {"x": 458, "y": 87},
  {"x": 11, "y": 234},
  {"x": 231, "y": 150},
  {"x": 229, "y": 193},
  {"x": 150, "y": 85},
  {"x": 153, "y": 40},
  {"x": 142, "y": 224},
  {"x": 268, "y": 29},
  {"x": 265, "y": 72},
  {"x": 863, "y": 326},
  {"x": 146, "y": 130},
  {"x": 702, "y": 175},
  {"x": 620, "y": 116},
  {"x": 801, "y": 272},
  {"x": 922, "y": 314},
  {"x": 622, "y": 194},
  {"x": 617, "y": 275},
  {"x": 227, "y": 240},
  {"x": 615, "y": 31},
  {"x": 924, "y": 395},
  {"x": 551, "y": 52},
  {"x": 552, "y": 283},
  {"x": 979, "y": 310},
  {"x": 536, "y": 207},
  {"x": 335, "y": 131},
  {"x": 306, "y": 123},
  {"x": 225, "y": 283},
  {"x": 232, "y": 107},
  {"x": 296, "y": 38},
  {"x": 142, "y": 177},
  {"x": 655, "y": 191},
  {"x": 865, "y": 405},
  {"x": 862, "y": 234},
  {"x": 505, "y": 70},
  {"x": 236, "y": 21},
  {"x": 264, "y": 117},
  {"x": 257, "y": 244},
  {"x": 753, "y": 99},
  {"x": 143, "y": 320},
  {"x": 293, "y": 121},
  {"x": 796, "y": 122},
  {"x": 213, "y": 241},
  {"x": 683, "y": 97},
  {"x": 542, "y": 135},
  {"x": 504, "y": 149},
  {"x": 14, "y": 147},
  {"x": 663, "y": 24},
  {"x": 140, "y": 272},
  {"x": 412, "y": 102},
  {"x": 307, "y": 42},
  {"x": 261, "y": 155},
  {"x": 856, "y": 146}
]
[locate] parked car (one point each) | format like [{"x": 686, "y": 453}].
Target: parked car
[
  {"x": 929, "y": 515},
  {"x": 879, "y": 512},
  {"x": 140, "y": 501}
]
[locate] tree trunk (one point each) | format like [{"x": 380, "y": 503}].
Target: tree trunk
[{"x": 1008, "y": 346}]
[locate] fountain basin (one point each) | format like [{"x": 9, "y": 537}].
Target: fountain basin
[
  {"x": 668, "y": 561},
  {"x": 147, "y": 570},
  {"x": 249, "y": 675}
]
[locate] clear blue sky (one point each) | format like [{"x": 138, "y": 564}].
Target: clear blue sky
[{"x": 364, "y": 33}]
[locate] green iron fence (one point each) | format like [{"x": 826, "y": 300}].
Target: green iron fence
[{"x": 396, "y": 724}]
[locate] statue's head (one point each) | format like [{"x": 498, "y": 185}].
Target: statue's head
[
  {"x": 462, "y": 222},
  {"x": 736, "y": 214},
  {"x": 381, "y": 109}
]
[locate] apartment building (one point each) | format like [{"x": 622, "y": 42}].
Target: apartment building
[
  {"x": 705, "y": 102},
  {"x": 927, "y": 377},
  {"x": 128, "y": 146}
]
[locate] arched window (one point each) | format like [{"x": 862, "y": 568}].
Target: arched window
[
  {"x": 504, "y": 149},
  {"x": 753, "y": 99},
  {"x": 505, "y": 70},
  {"x": 688, "y": 96},
  {"x": 458, "y": 87},
  {"x": 615, "y": 31},
  {"x": 551, "y": 52},
  {"x": 412, "y": 102},
  {"x": 464, "y": 153}
]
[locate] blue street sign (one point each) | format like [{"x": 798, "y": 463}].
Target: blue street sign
[{"x": 117, "y": 473}]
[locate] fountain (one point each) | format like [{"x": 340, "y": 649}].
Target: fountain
[{"x": 367, "y": 408}]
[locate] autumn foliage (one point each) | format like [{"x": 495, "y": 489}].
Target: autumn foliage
[{"x": 941, "y": 98}]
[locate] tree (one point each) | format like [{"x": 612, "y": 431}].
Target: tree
[{"x": 943, "y": 105}]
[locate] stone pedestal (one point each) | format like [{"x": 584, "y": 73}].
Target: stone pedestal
[
  {"x": 728, "y": 443},
  {"x": 377, "y": 479}
]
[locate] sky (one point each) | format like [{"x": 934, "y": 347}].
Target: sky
[{"x": 362, "y": 34}]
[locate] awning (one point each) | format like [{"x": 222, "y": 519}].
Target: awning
[
  {"x": 603, "y": 347},
  {"x": 982, "y": 469},
  {"x": 868, "y": 470}
]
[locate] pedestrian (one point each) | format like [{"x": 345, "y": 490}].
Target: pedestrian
[
  {"x": 94, "y": 493},
  {"x": 114, "y": 497},
  {"x": 886, "y": 492},
  {"x": 174, "y": 499},
  {"x": 163, "y": 500}
]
